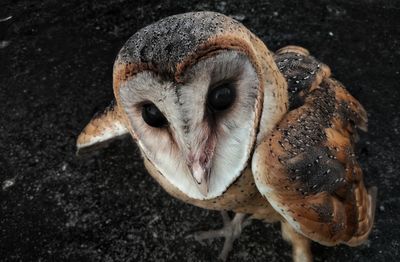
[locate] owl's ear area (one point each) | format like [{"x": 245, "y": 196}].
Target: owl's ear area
[{"x": 102, "y": 129}]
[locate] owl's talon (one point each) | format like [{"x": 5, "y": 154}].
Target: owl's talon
[{"x": 231, "y": 231}]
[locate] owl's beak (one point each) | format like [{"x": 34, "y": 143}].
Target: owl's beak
[
  {"x": 201, "y": 174},
  {"x": 199, "y": 164},
  {"x": 200, "y": 158}
]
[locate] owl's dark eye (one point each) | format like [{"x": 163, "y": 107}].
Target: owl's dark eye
[
  {"x": 153, "y": 116},
  {"x": 221, "y": 97}
]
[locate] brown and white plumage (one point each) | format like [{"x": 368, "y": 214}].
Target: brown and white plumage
[
  {"x": 280, "y": 147},
  {"x": 306, "y": 166}
]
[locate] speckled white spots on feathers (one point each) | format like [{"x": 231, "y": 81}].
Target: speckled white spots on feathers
[{"x": 169, "y": 41}]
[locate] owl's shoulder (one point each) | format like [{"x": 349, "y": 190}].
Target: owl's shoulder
[
  {"x": 302, "y": 72},
  {"x": 306, "y": 167}
]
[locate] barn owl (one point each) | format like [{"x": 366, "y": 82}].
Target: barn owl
[{"x": 225, "y": 124}]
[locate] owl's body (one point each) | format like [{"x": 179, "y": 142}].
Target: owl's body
[{"x": 224, "y": 124}]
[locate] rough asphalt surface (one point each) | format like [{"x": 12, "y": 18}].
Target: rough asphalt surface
[{"x": 55, "y": 71}]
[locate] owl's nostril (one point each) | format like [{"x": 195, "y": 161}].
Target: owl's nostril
[
  {"x": 203, "y": 159},
  {"x": 200, "y": 159}
]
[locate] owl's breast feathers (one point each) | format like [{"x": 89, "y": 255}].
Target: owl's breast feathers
[{"x": 306, "y": 167}]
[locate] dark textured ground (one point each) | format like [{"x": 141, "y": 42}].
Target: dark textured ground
[{"x": 55, "y": 71}]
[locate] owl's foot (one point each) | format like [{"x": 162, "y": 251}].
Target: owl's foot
[
  {"x": 301, "y": 251},
  {"x": 231, "y": 231}
]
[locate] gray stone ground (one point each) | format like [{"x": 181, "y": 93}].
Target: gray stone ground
[{"x": 56, "y": 62}]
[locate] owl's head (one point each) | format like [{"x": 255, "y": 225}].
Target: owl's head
[{"x": 194, "y": 90}]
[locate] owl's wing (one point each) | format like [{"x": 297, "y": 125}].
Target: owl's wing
[
  {"x": 306, "y": 166},
  {"x": 102, "y": 129}
]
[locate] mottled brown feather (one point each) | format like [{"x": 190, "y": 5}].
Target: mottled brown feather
[
  {"x": 104, "y": 127},
  {"x": 307, "y": 168},
  {"x": 302, "y": 72}
]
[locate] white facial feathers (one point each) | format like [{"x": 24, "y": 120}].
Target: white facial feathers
[{"x": 192, "y": 127}]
